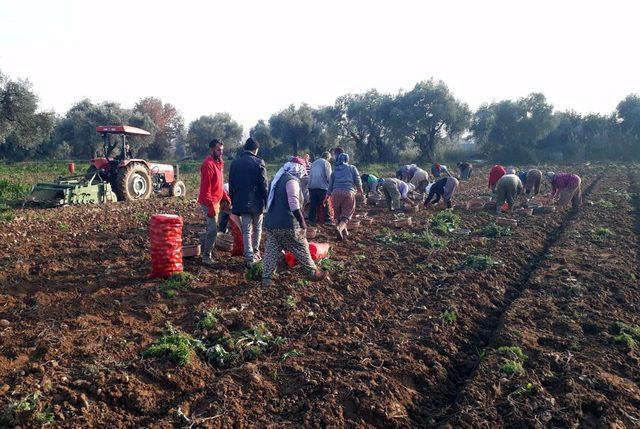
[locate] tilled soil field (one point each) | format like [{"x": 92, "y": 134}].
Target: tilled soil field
[{"x": 473, "y": 331}]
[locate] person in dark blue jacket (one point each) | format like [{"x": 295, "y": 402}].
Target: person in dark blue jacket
[{"x": 248, "y": 191}]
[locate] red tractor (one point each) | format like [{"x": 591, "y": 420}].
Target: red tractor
[{"x": 132, "y": 178}]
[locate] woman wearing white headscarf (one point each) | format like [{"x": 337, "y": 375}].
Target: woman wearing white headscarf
[{"x": 284, "y": 224}]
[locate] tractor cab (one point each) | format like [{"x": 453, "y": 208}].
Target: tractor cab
[{"x": 109, "y": 144}]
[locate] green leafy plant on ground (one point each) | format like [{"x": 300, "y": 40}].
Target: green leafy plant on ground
[
  {"x": 290, "y": 302},
  {"x": 329, "y": 264},
  {"x": 480, "y": 262},
  {"x": 494, "y": 230},
  {"x": 177, "y": 282},
  {"x": 603, "y": 232},
  {"x": 27, "y": 409},
  {"x": 175, "y": 346},
  {"x": 5, "y": 213},
  {"x": 449, "y": 317},
  {"x": 208, "y": 318},
  {"x": 290, "y": 354},
  {"x": 513, "y": 351},
  {"x": 235, "y": 347},
  {"x": 511, "y": 367},
  {"x": 444, "y": 221},
  {"x": 254, "y": 273},
  {"x": 425, "y": 239},
  {"x": 513, "y": 359},
  {"x": 12, "y": 192},
  {"x": 627, "y": 335},
  {"x": 605, "y": 204}
]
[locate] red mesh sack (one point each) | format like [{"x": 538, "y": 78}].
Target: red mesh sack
[
  {"x": 317, "y": 251},
  {"x": 165, "y": 235},
  {"x": 238, "y": 246}
]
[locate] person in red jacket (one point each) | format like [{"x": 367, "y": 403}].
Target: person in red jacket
[
  {"x": 497, "y": 171},
  {"x": 212, "y": 196}
]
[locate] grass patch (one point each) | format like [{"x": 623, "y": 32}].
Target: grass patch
[
  {"x": 233, "y": 348},
  {"x": 444, "y": 221},
  {"x": 208, "y": 318},
  {"x": 6, "y": 214},
  {"x": 175, "y": 346},
  {"x": 254, "y": 273},
  {"x": 480, "y": 262},
  {"x": 494, "y": 230},
  {"x": 449, "y": 317},
  {"x": 11, "y": 191},
  {"x": 177, "y": 282}
]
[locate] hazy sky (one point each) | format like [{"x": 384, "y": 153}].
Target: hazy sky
[{"x": 253, "y": 58}]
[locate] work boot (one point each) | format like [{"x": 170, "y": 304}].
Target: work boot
[
  {"x": 317, "y": 275},
  {"x": 208, "y": 262}
]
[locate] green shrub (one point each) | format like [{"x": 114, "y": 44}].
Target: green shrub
[
  {"x": 511, "y": 367},
  {"x": 444, "y": 221},
  {"x": 254, "y": 273},
  {"x": 513, "y": 351},
  {"x": 179, "y": 281},
  {"x": 233, "y": 348},
  {"x": 208, "y": 318},
  {"x": 494, "y": 230},
  {"x": 175, "y": 346},
  {"x": 480, "y": 262},
  {"x": 449, "y": 317},
  {"x": 605, "y": 204},
  {"x": 11, "y": 191}
]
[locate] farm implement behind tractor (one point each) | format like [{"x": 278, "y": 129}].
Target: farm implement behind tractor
[{"x": 122, "y": 178}]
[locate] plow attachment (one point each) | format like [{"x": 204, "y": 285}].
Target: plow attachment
[{"x": 79, "y": 189}]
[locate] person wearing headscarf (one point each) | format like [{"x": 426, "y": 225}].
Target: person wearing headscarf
[
  {"x": 444, "y": 188},
  {"x": 497, "y": 171},
  {"x": 507, "y": 189},
  {"x": 419, "y": 179},
  {"x": 438, "y": 170},
  {"x": 405, "y": 172},
  {"x": 284, "y": 224},
  {"x": 369, "y": 184},
  {"x": 531, "y": 181},
  {"x": 566, "y": 187},
  {"x": 465, "y": 169},
  {"x": 345, "y": 181},
  {"x": 396, "y": 191}
]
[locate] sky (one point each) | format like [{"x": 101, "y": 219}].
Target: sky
[{"x": 254, "y": 58}]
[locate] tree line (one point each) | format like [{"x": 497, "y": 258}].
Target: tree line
[{"x": 417, "y": 124}]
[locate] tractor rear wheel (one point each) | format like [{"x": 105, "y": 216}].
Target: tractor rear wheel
[
  {"x": 178, "y": 189},
  {"x": 133, "y": 182}
]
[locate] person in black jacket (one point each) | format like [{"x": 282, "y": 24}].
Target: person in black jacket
[{"x": 248, "y": 191}]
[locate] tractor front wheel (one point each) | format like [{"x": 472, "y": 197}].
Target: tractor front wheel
[
  {"x": 178, "y": 189},
  {"x": 133, "y": 183}
]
